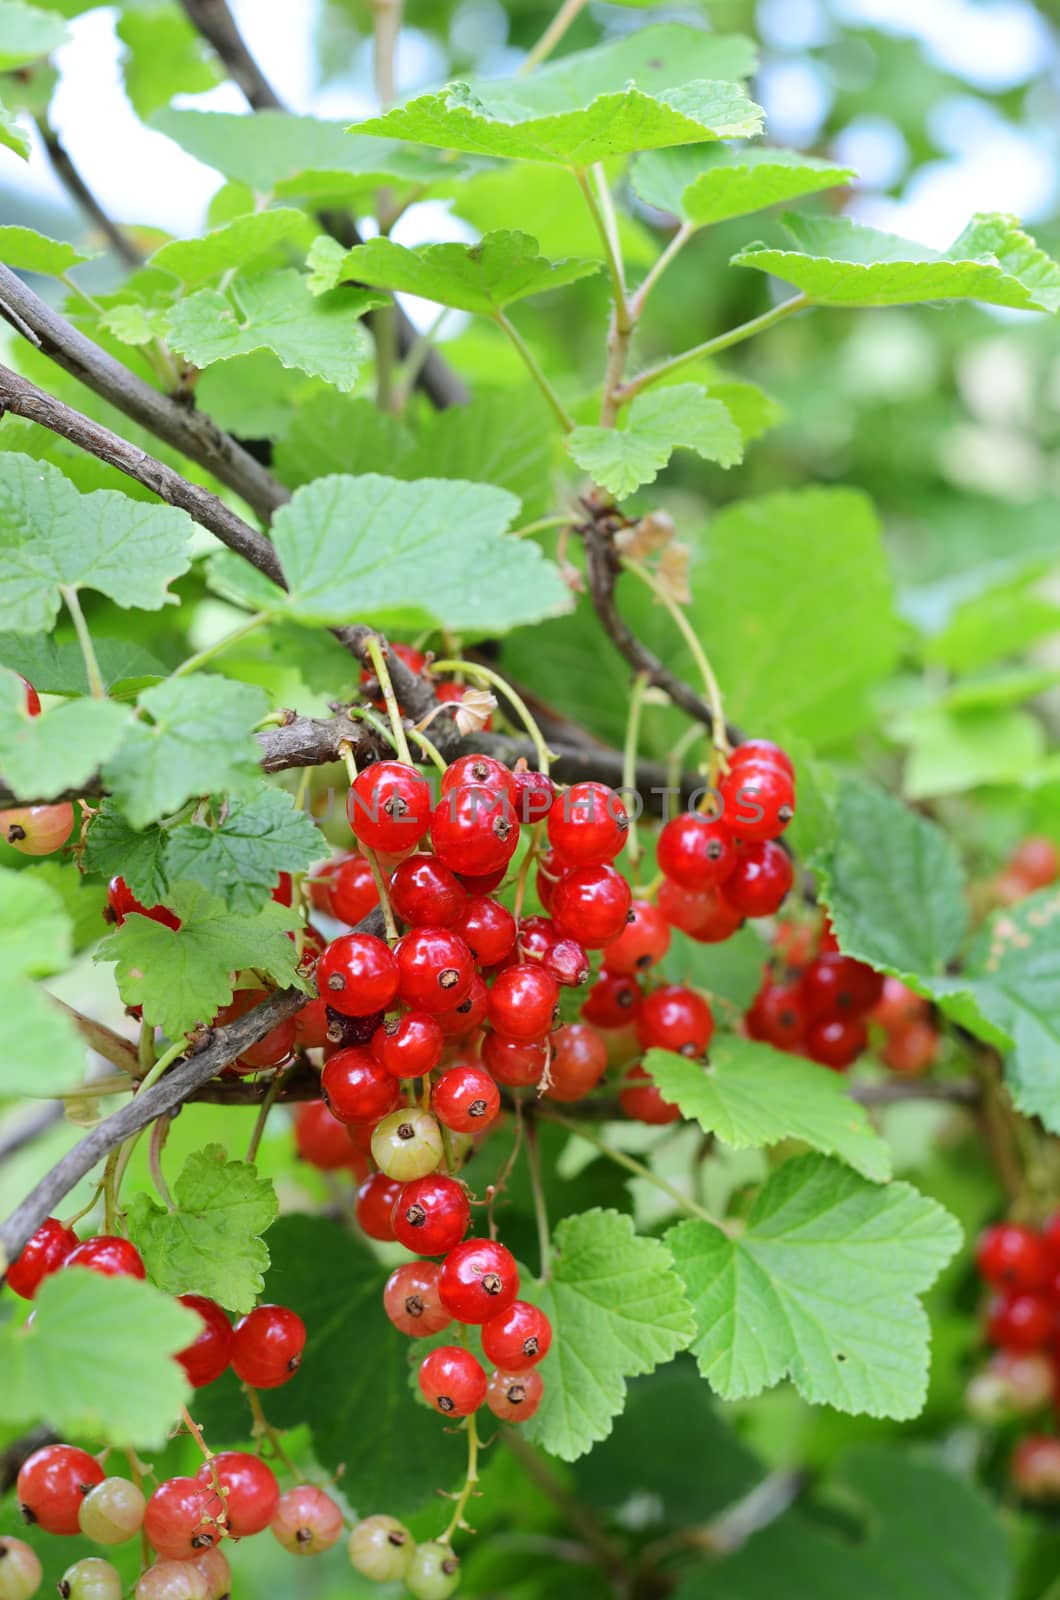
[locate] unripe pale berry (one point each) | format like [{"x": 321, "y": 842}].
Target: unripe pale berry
[
  {"x": 407, "y": 1144},
  {"x": 411, "y": 1299},
  {"x": 306, "y": 1521},
  {"x": 433, "y": 1573},
  {"x": 37, "y": 830},
  {"x": 21, "y": 1573},
  {"x": 112, "y": 1512},
  {"x": 91, "y": 1579},
  {"x": 173, "y": 1580},
  {"x": 514, "y": 1396},
  {"x": 381, "y": 1548},
  {"x": 213, "y": 1567}
]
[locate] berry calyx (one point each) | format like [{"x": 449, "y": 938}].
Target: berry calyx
[
  {"x": 51, "y": 1485},
  {"x": 389, "y": 806},
  {"x": 374, "y": 1206},
  {"x": 409, "y": 1046},
  {"x": 41, "y": 1255},
  {"x": 357, "y": 974},
  {"x": 248, "y": 1488},
  {"x": 184, "y": 1518},
  {"x": 523, "y": 1003},
  {"x": 209, "y": 1353},
  {"x": 433, "y": 1572},
  {"x": 675, "y": 1018},
  {"x": 465, "y": 1098},
  {"x": 696, "y": 851},
  {"x": 37, "y": 830},
  {"x": 306, "y": 1521},
  {"x": 267, "y": 1346},
  {"x": 381, "y": 1548},
  {"x": 643, "y": 941},
  {"x": 431, "y": 1214},
  {"x": 588, "y": 824},
  {"x": 407, "y": 1144},
  {"x": 479, "y": 1280},
  {"x": 613, "y": 1000},
  {"x": 357, "y": 1088},
  {"x": 1011, "y": 1256},
  {"x": 452, "y": 1381},
  {"x": 108, "y": 1254},
  {"x": 517, "y": 1339},
  {"x": 436, "y": 969},
  {"x": 474, "y": 830},
  {"x": 514, "y": 1396},
  {"x": 411, "y": 1299}
]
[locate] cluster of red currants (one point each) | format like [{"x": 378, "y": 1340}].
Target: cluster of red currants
[
  {"x": 37, "y": 830},
  {"x": 1034, "y": 864}
]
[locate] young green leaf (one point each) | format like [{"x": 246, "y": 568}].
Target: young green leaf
[
  {"x": 224, "y": 249},
  {"x": 12, "y": 135},
  {"x": 98, "y": 1360},
  {"x": 52, "y": 537},
  {"x": 114, "y": 847},
  {"x": 27, "y": 33},
  {"x": 193, "y": 737},
  {"x": 821, "y": 1285},
  {"x": 701, "y": 185},
  {"x": 320, "y": 335},
  {"x": 58, "y": 750},
  {"x": 163, "y": 57},
  {"x": 751, "y": 408},
  {"x": 211, "y": 1244},
  {"x": 751, "y": 1094},
  {"x": 621, "y": 459},
  {"x": 29, "y": 251},
  {"x": 240, "y": 860},
  {"x": 617, "y": 1309},
  {"x": 135, "y": 324}
]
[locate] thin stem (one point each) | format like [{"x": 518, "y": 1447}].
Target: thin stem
[
  {"x": 541, "y": 526},
  {"x": 457, "y": 1519},
  {"x": 681, "y": 1201},
  {"x": 562, "y": 416},
  {"x": 200, "y": 658},
  {"x": 384, "y": 330},
  {"x": 389, "y": 923},
  {"x": 88, "y": 655},
  {"x": 500, "y": 1181},
  {"x": 164, "y": 1060},
  {"x": 688, "y": 633},
  {"x": 263, "y": 1115},
  {"x": 475, "y": 669},
  {"x": 544, "y": 1232},
  {"x": 196, "y": 1433},
  {"x": 263, "y": 1429},
  {"x": 552, "y": 35},
  {"x": 711, "y": 347},
  {"x": 602, "y": 218},
  {"x": 387, "y": 29},
  {"x": 629, "y": 763},
  {"x": 382, "y": 672},
  {"x": 419, "y": 350},
  {"x": 159, "y": 1135},
  {"x": 675, "y": 246},
  {"x": 431, "y": 750}
]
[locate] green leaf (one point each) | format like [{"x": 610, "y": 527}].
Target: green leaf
[
  {"x": 730, "y": 972},
  {"x": 240, "y": 860},
  {"x": 844, "y": 263},
  {"x": 59, "y": 749},
  {"x": 58, "y": 667},
  {"x": 34, "y": 927},
  {"x": 485, "y": 277},
  {"x": 193, "y": 737},
  {"x": 399, "y": 554},
  {"x": 163, "y": 56},
  {"x": 751, "y": 408},
  {"x": 893, "y": 884},
  {"x": 98, "y": 1360},
  {"x": 320, "y": 335},
  {"x": 952, "y": 751},
  {"x": 509, "y": 196},
  {"x": 29, "y": 251},
  {"x": 27, "y": 33},
  {"x": 12, "y": 135},
  {"x": 807, "y": 629},
  {"x": 113, "y": 846},
  {"x": 623, "y": 458},
  {"x": 224, "y": 249},
  {"x": 660, "y": 86},
  {"x": 211, "y": 1244},
  {"x": 617, "y": 1310},
  {"x": 134, "y": 324},
  {"x": 701, "y": 185},
  {"x": 821, "y": 1285},
  {"x": 752, "y": 1095},
  {"x": 183, "y": 976},
  {"x": 53, "y": 537},
  {"x": 44, "y": 1053}
]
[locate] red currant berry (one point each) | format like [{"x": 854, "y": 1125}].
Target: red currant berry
[
  {"x": 108, "y": 1254},
  {"x": 320, "y": 1138},
  {"x": 452, "y": 1381},
  {"x": 1037, "y": 861},
  {"x": 277, "y": 1044},
  {"x": 212, "y": 1566},
  {"x": 537, "y": 935},
  {"x": 911, "y": 1050},
  {"x": 1035, "y": 1467},
  {"x": 357, "y": 974},
  {"x": 173, "y": 1580},
  {"x": 587, "y": 824},
  {"x": 121, "y": 903},
  {"x": 210, "y": 1351},
  {"x": 488, "y": 929},
  {"x": 42, "y": 1255},
  {"x": 518, "y": 1339},
  {"x": 311, "y": 1025},
  {"x": 407, "y": 1144},
  {"x": 642, "y": 1101},
  {"x": 760, "y": 881},
  {"x": 643, "y": 941},
  {"x": 829, "y": 987},
  {"x": 514, "y": 1396},
  {"x": 701, "y": 913},
  {"x": 389, "y": 806},
  {"x": 357, "y": 1088},
  {"x": 482, "y": 772},
  {"x": 412, "y": 1302},
  {"x": 568, "y": 963},
  {"x": 696, "y": 851},
  {"x": 431, "y": 1215},
  {"x": 550, "y": 868},
  {"x": 613, "y": 1000},
  {"x": 514, "y": 1062},
  {"x": 474, "y": 830},
  {"x": 306, "y": 1521},
  {"x": 899, "y": 1006},
  {"x": 579, "y": 1061},
  {"x": 52, "y": 1484},
  {"x": 479, "y": 1280},
  {"x": 436, "y": 969},
  {"x": 469, "y": 1014},
  {"x": 267, "y": 1346},
  {"x": 376, "y": 1199},
  {"x": 352, "y": 890},
  {"x": 409, "y": 1046},
  {"x": 761, "y": 752},
  {"x": 465, "y": 1099},
  {"x": 758, "y": 801},
  {"x": 591, "y": 904},
  {"x": 183, "y": 1518},
  {"x": 37, "y": 830},
  {"x": 318, "y": 883},
  {"x": 675, "y": 1018},
  {"x": 1021, "y": 1322},
  {"x": 1011, "y": 1256},
  {"x": 424, "y": 893},
  {"x": 535, "y": 794},
  {"x": 837, "y": 1042},
  {"x": 483, "y": 882},
  {"x": 248, "y": 1487},
  {"x": 778, "y": 1015},
  {"x": 32, "y": 697},
  {"x": 523, "y": 1002},
  {"x": 795, "y": 944},
  {"x": 349, "y": 1033}
]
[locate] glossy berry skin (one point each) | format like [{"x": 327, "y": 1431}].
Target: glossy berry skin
[
  {"x": 121, "y": 903},
  {"x": 523, "y": 1002},
  {"x": 518, "y": 1339},
  {"x": 469, "y": 1014},
  {"x": 1021, "y": 1322},
  {"x": 474, "y": 830},
  {"x": 407, "y": 1144},
  {"x": 357, "y": 1088},
  {"x": 465, "y": 1098},
  {"x": 320, "y": 1138},
  {"x": 389, "y": 806},
  {"x": 357, "y": 974},
  {"x": 829, "y": 987},
  {"x": 899, "y": 1006},
  {"x": 1012, "y": 1257},
  {"x": 912, "y": 1050},
  {"x": 567, "y": 962},
  {"x": 425, "y": 894},
  {"x": 579, "y": 1061},
  {"x": 433, "y": 1572},
  {"x": 488, "y": 930},
  {"x": 37, "y": 830},
  {"x": 411, "y": 1299},
  {"x": 436, "y": 969},
  {"x": 591, "y": 904},
  {"x": 267, "y": 1346},
  {"x": 381, "y": 1548},
  {"x": 483, "y": 772},
  {"x": 760, "y": 881},
  {"x": 514, "y": 1396},
  {"x": 642, "y": 1101},
  {"x": 51, "y": 1485},
  {"x": 352, "y": 890},
  {"x": 21, "y": 1573},
  {"x": 91, "y": 1579},
  {"x": 535, "y": 794},
  {"x": 837, "y": 1042},
  {"x": 213, "y": 1566},
  {"x": 778, "y": 1015},
  {"x": 311, "y": 1025},
  {"x": 112, "y": 1512},
  {"x": 703, "y": 914},
  {"x": 431, "y": 1214},
  {"x": 675, "y": 1018},
  {"x": 758, "y": 801},
  {"x": 587, "y": 824},
  {"x": 479, "y": 1280},
  {"x": 114, "y": 1257},
  {"x": 409, "y": 1046},
  {"x": 348, "y": 1033},
  {"x": 173, "y": 1580},
  {"x": 516, "y": 1063},
  {"x": 550, "y": 868},
  {"x": 536, "y": 936},
  {"x": 306, "y": 1521},
  {"x": 184, "y": 1518},
  {"x": 643, "y": 941},
  {"x": 613, "y": 1000},
  {"x": 376, "y": 1198},
  {"x": 209, "y": 1353},
  {"x": 696, "y": 851},
  {"x": 761, "y": 752},
  {"x": 41, "y": 1255},
  {"x": 452, "y": 1381},
  {"x": 252, "y": 1491}
]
